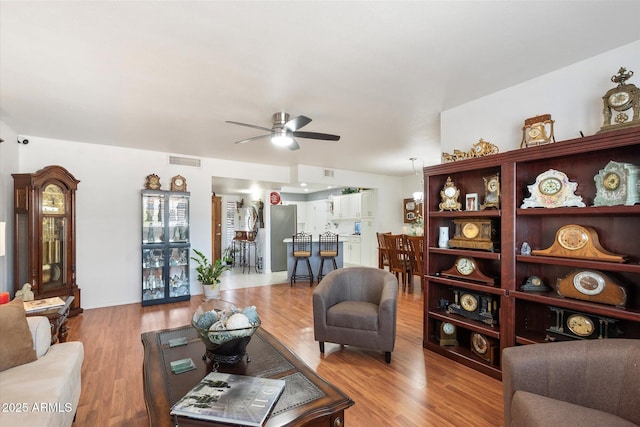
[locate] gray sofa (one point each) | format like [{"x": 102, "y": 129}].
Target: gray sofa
[
  {"x": 575, "y": 383},
  {"x": 357, "y": 306}
]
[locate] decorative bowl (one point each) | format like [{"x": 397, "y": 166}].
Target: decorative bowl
[{"x": 225, "y": 330}]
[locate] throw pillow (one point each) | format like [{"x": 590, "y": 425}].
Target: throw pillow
[{"x": 16, "y": 343}]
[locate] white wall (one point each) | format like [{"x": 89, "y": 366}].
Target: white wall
[
  {"x": 8, "y": 165},
  {"x": 109, "y": 206},
  {"x": 572, "y": 95}
]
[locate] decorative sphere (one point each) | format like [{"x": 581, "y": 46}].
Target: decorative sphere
[
  {"x": 238, "y": 321},
  {"x": 207, "y": 319},
  {"x": 251, "y": 313}
]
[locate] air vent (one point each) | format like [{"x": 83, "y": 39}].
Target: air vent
[
  {"x": 184, "y": 161},
  {"x": 328, "y": 173}
]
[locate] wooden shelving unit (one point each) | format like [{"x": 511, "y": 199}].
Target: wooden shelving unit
[{"x": 526, "y": 317}]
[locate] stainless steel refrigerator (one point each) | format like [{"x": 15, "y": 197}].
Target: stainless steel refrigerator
[{"x": 283, "y": 225}]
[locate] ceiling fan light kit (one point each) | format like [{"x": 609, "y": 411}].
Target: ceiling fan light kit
[{"x": 284, "y": 131}]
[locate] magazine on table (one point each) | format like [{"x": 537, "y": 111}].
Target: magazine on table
[
  {"x": 230, "y": 398},
  {"x": 43, "y": 304}
]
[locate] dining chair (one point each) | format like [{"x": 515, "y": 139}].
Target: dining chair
[
  {"x": 416, "y": 257},
  {"x": 399, "y": 263},
  {"x": 383, "y": 253},
  {"x": 327, "y": 250},
  {"x": 301, "y": 245}
]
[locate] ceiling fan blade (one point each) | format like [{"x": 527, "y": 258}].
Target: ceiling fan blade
[
  {"x": 294, "y": 145},
  {"x": 315, "y": 135},
  {"x": 249, "y": 126},
  {"x": 297, "y": 123},
  {"x": 252, "y": 139}
]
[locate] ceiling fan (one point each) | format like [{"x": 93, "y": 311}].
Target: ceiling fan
[{"x": 284, "y": 131}]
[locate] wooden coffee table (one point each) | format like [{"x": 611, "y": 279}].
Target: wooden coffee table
[{"x": 307, "y": 400}]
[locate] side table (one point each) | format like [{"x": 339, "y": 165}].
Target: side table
[{"x": 58, "y": 318}]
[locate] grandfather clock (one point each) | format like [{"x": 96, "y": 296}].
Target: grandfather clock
[{"x": 45, "y": 233}]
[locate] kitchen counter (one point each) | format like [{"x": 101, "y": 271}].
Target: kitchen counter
[{"x": 314, "y": 259}]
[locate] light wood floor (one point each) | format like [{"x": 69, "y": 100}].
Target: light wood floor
[{"x": 418, "y": 388}]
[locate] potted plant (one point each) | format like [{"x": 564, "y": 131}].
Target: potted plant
[
  {"x": 209, "y": 274},
  {"x": 227, "y": 255}
]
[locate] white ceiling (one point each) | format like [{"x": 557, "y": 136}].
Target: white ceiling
[{"x": 165, "y": 76}]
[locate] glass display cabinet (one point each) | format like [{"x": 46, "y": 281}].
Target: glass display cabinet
[
  {"x": 45, "y": 234},
  {"x": 165, "y": 247}
]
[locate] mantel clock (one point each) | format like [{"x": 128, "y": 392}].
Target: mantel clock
[
  {"x": 578, "y": 241},
  {"x": 45, "y": 234},
  {"x": 617, "y": 184},
  {"x": 475, "y": 306},
  {"x": 449, "y": 197},
  {"x": 594, "y": 286},
  {"x": 619, "y": 102},
  {"x": 577, "y": 325},
  {"x": 474, "y": 233}
]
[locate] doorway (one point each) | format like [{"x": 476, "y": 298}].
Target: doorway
[{"x": 216, "y": 227}]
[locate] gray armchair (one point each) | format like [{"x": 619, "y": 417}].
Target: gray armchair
[
  {"x": 574, "y": 383},
  {"x": 357, "y": 306}
]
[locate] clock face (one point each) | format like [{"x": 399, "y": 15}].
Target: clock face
[
  {"x": 550, "y": 186},
  {"x": 573, "y": 238},
  {"x": 179, "y": 182},
  {"x": 448, "y": 328},
  {"x": 480, "y": 343},
  {"x": 465, "y": 266},
  {"x": 534, "y": 132},
  {"x": 588, "y": 283},
  {"x": 619, "y": 99},
  {"x": 580, "y": 325},
  {"x": 450, "y": 191},
  {"x": 492, "y": 185},
  {"x": 53, "y": 200},
  {"x": 470, "y": 230},
  {"x": 611, "y": 181},
  {"x": 468, "y": 302}
]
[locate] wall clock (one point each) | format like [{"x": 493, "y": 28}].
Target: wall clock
[
  {"x": 579, "y": 325},
  {"x": 412, "y": 210},
  {"x": 594, "y": 286},
  {"x": 449, "y": 197},
  {"x": 475, "y": 306},
  {"x": 448, "y": 334},
  {"x": 492, "y": 192},
  {"x": 485, "y": 348},
  {"x": 617, "y": 184},
  {"x": 552, "y": 189},
  {"x": 621, "y": 105},
  {"x": 474, "y": 233},
  {"x": 467, "y": 268},
  {"x": 578, "y": 241},
  {"x": 178, "y": 183}
]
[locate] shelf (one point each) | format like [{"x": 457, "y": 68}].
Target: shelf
[
  {"x": 580, "y": 263},
  {"x": 551, "y": 298},
  {"x": 466, "y": 252},
  {"x": 479, "y": 287},
  {"x": 465, "y": 323},
  {"x": 493, "y": 213},
  {"x": 588, "y": 211},
  {"x": 524, "y": 317}
]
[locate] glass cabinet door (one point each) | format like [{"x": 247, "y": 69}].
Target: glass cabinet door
[
  {"x": 178, "y": 218},
  {"x": 153, "y": 218},
  {"x": 178, "y": 272},
  {"x": 53, "y": 266},
  {"x": 153, "y": 285}
]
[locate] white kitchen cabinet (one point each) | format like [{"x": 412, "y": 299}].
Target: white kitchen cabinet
[{"x": 351, "y": 249}]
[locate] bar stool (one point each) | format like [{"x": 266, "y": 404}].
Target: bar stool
[
  {"x": 327, "y": 249},
  {"x": 301, "y": 246}
]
